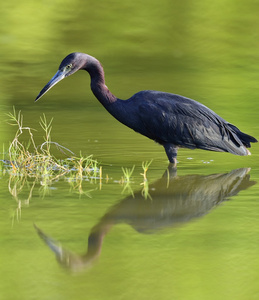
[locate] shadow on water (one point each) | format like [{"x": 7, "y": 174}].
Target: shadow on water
[{"x": 172, "y": 200}]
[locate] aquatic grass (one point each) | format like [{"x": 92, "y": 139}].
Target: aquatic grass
[
  {"x": 37, "y": 161},
  {"x": 83, "y": 169},
  {"x": 145, "y": 166},
  {"x": 29, "y": 159},
  {"x": 127, "y": 174},
  {"x": 145, "y": 190},
  {"x": 126, "y": 179}
]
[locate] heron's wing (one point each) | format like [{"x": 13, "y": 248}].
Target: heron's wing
[{"x": 185, "y": 122}]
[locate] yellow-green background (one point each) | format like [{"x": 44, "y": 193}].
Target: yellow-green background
[{"x": 205, "y": 50}]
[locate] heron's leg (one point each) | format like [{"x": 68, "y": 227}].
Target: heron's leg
[{"x": 171, "y": 152}]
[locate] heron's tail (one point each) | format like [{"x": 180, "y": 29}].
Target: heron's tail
[
  {"x": 243, "y": 137},
  {"x": 241, "y": 140}
]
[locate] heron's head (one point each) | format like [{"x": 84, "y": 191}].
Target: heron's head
[{"x": 70, "y": 64}]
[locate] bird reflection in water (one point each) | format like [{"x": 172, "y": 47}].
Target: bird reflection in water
[{"x": 175, "y": 200}]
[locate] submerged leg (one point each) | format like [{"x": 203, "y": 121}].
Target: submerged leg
[{"x": 171, "y": 152}]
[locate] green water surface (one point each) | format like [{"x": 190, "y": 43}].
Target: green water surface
[{"x": 193, "y": 234}]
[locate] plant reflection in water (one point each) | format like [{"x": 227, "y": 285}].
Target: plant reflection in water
[{"x": 172, "y": 200}]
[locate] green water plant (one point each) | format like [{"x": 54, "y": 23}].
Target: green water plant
[
  {"x": 145, "y": 190},
  {"x": 26, "y": 158},
  {"x": 126, "y": 179},
  {"x": 127, "y": 174}
]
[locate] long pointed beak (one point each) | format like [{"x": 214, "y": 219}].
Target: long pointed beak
[{"x": 54, "y": 80}]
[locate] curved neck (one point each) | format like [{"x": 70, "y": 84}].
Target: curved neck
[{"x": 98, "y": 87}]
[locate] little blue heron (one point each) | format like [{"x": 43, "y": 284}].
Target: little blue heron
[{"x": 171, "y": 120}]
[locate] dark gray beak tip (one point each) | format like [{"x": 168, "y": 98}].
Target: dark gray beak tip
[{"x": 54, "y": 80}]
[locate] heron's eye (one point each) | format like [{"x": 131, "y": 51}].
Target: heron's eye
[{"x": 68, "y": 67}]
